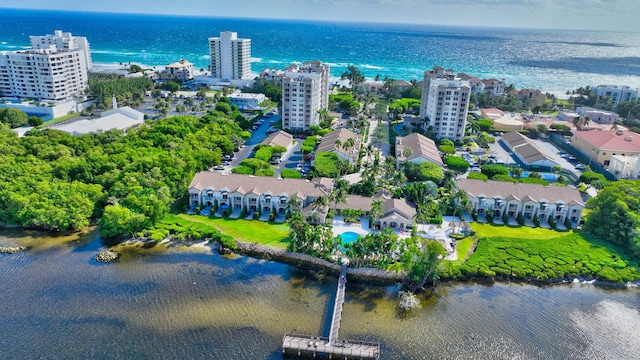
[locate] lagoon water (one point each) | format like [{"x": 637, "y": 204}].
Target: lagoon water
[
  {"x": 191, "y": 303},
  {"x": 550, "y": 60}
]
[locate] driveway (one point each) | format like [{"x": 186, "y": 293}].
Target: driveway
[{"x": 291, "y": 158}]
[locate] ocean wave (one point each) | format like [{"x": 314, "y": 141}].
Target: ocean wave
[
  {"x": 370, "y": 67},
  {"x": 255, "y": 59}
]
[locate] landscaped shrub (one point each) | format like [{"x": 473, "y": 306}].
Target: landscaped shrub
[
  {"x": 492, "y": 170},
  {"x": 503, "y": 177},
  {"x": 536, "y": 221},
  {"x": 242, "y": 170},
  {"x": 474, "y": 215},
  {"x": 456, "y": 164},
  {"x": 264, "y": 153},
  {"x": 265, "y": 172},
  {"x": 552, "y": 222},
  {"x": 478, "y": 176},
  {"x": 489, "y": 216},
  {"x": 447, "y": 150},
  {"x": 290, "y": 174},
  {"x": 529, "y": 180},
  {"x": 520, "y": 219}
]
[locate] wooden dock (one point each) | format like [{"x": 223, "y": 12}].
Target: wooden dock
[{"x": 331, "y": 347}]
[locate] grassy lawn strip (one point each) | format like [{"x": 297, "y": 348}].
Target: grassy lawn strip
[
  {"x": 524, "y": 232},
  {"x": 256, "y": 232},
  {"x": 525, "y": 253},
  {"x": 462, "y": 248}
]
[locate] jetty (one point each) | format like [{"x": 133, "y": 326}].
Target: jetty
[{"x": 331, "y": 347}]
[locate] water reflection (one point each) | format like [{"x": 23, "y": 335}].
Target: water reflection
[{"x": 171, "y": 302}]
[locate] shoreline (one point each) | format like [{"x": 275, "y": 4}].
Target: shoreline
[
  {"x": 370, "y": 276},
  {"x": 306, "y": 262}
]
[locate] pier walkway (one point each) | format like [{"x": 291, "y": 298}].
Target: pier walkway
[{"x": 331, "y": 347}]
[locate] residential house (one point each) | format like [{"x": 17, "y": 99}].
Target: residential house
[
  {"x": 597, "y": 115},
  {"x": 494, "y": 87},
  {"x": 529, "y": 200},
  {"x": 181, "y": 70},
  {"x": 397, "y": 214},
  {"x": 253, "y": 193},
  {"x": 422, "y": 149},
  {"x": 625, "y": 167},
  {"x": 335, "y": 142},
  {"x": 279, "y": 138},
  {"x": 534, "y": 96},
  {"x": 477, "y": 86}
]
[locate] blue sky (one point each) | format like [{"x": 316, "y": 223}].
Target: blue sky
[{"x": 615, "y": 15}]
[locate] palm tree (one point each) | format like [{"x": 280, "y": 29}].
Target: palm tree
[
  {"x": 293, "y": 205},
  {"x": 581, "y": 122},
  {"x": 472, "y": 127},
  {"x": 376, "y": 212},
  {"x": 407, "y": 151},
  {"x": 319, "y": 203},
  {"x": 615, "y": 125},
  {"x": 339, "y": 192}
]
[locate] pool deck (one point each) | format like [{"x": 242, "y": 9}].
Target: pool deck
[{"x": 427, "y": 231}]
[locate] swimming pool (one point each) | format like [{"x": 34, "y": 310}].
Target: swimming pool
[
  {"x": 551, "y": 177},
  {"x": 348, "y": 237}
]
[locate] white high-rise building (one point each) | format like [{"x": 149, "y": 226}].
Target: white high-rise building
[
  {"x": 54, "y": 70},
  {"x": 617, "y": 93},
  {"x": 63, "y": 41},
  {"x": 445, "y": 103},
  {"x": 305, "y": 90},
  {"x": 230, "y": 56}
]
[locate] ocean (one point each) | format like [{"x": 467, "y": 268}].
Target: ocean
[{"x": 550, "y": 60}]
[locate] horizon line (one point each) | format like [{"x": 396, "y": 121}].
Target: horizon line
[{"x": 314, "y": 20}]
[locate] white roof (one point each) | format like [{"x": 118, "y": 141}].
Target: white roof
[{"x": 109, "y": 122}]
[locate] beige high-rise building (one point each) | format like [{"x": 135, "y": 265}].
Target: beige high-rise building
[
  {"x": 230, "y": 56},
  {"x": 445, "y": 103},
  {"x": 305, "y": 90}
]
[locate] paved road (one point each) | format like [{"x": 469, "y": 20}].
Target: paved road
[{"x": 257, "y": 136}]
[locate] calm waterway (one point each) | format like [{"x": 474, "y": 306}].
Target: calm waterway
[{"x": 56, "y": 302}]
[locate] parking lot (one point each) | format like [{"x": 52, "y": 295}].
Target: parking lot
[{"x": 502, "y": 155}]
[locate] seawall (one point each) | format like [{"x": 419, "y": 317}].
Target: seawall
[{"x": 366, "y": 275}]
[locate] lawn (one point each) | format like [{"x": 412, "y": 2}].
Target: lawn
[
  {"x": 250, "y": 231},
  {"x": 61, "y": 119},
  {"x": 487, "y": 230},
  {"x": 526, "y": 253},
  {"x": 462, "y": 248}
]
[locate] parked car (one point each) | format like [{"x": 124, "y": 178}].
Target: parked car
[
  {"x": 219, "y": 167},
  {"x": 571, "y": 158},
  {"x": 579, "y": 166}
]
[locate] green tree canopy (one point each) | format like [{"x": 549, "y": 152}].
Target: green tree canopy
[
  {"x": 615, "y": 215},
  {"x": 13, "y": 117},
  {"x": 456, "y": 164},
  {"x": 492, "y": 170},
  {"x": 425, "y": 171}
]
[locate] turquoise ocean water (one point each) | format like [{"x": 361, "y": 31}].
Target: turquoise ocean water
[{"x": 551, "y": 60}]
